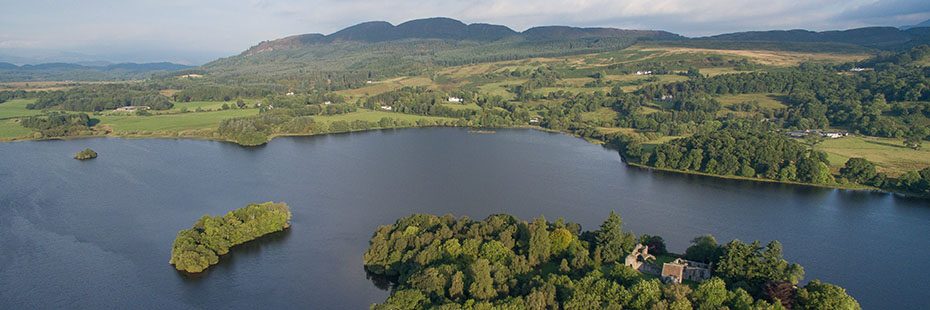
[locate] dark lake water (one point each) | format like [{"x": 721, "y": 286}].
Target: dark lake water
[{"x": 97, "y": 234}]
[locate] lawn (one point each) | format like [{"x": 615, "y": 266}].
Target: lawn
[
  {"x": 771, "y": 101},
  {"x": 10, "y": 129},
  {"x": 600, "y": 115},
  {"x": 500, "y": 88},
  {"x": 379, "y": 87},
  {"x": 206, "y": 105},
  {"x": 17, "y": 108},
  {"x": 889, "y": 155},
  {"x": 171, "y": 122},
  {"x": 374, "y": 116},
  {"x": 455, "y": 106}
]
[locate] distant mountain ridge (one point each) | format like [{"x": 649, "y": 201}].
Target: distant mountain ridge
[
  {"x": 922, "y": 24},
  {"x": 77, "y": 72},
  {"x": 442, "y": 28},
  {"x": 128, "y": 66},
  {"x": 876, "y": 37}
]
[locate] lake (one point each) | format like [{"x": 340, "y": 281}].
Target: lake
[{"x": 98, "y": 233}]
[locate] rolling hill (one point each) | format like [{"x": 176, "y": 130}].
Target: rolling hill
[{"x": 76, "y": 72}]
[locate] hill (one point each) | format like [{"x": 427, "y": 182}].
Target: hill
[
  {"x": 922, "y": 24},
  {"x": 375, "y": 50},
  {"x": 76, "y": 72},
  {"x": 874, "y": 37}
]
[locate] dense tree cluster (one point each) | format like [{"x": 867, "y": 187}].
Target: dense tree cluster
[
  {"x": 257, "y": 130},
  {"x": 58, "y": 124},
  {"x": 197, "y": 248},
  {"x": 85, "y": 154},
  {"x": 914, "y": 182},
  {"x": 747, "y": 152},
  {"x": 889, "y": 101},
  {"x": 16, "y": 94},
  {"x": 218, "y": 92},
  {"x": 91, "y": 98},
  {"x": 504, "y": 263}
]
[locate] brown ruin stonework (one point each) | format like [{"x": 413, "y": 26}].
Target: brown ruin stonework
[{"x": 682, "y": 269}]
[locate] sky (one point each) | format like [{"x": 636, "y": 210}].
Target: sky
[{"x": 197, "y": 31}]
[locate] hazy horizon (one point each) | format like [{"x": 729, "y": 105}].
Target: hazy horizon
[{"x": 195, "y": 33}]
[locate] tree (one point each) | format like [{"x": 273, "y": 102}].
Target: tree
[
  {"x": 915, "y": 137},
  {"x": 859, "y": 170},
  {"x": 655, "y": 243},
  {"x": 710, "y": 294},
  {"x": 482, "y": 285},
  {"x": 614, "y": 243},
  {"x": 561, "y": 239},
  {"x": 819, "y": 295},
  {"x": 458, "y": 286},
  {"x": 703, "y": 249},
  {"x": 540, "y": 245}
]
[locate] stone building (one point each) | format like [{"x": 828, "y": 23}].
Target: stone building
[
  {"x": 682, "y": 269},
  {"x": 639, "y": 260}
]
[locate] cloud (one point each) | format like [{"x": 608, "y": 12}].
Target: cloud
[{"x": 226, "y": 27}]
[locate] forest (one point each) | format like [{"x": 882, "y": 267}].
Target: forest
[
  {"x": 502, "y": 262},
  {"x": 92, "y": 98},
  {"x": 199, "y": 247}
]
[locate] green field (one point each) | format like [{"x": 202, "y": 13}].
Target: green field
[
  {"x": 170, "y": 122},
  {"x": 771, "y": 101},
  {"x": 17, "y": 108},
  {"x": 470, "y": 106},
  {"x": 374, "y": 116},
  {"x": 889, "y": 155},
  {"x": 10, "y": 129},
  {"x": 601, "y": 115}
]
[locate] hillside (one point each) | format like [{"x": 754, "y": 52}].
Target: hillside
[
  {"x": 75, "y": 72},
  {"x": 375, "y": 50},
  {"x": 875, "y": 37}
]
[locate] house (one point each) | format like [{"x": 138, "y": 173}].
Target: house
[
  {"x": 667, "y": 97},
  {"x": 681, "y": 269},
  {"x": 367, "y": 82},
  {"x": 191, "y": 76},
  {"x": 327, "y": 102},
  {"x": 857, "y": 69},
  {"x": 132, "y": 108},
  {"x": 647, "y": 72},
  {"x": 834, "y": 134},
  {"x": 456, "y": 99},
  {"x": 534, "y": 120},
  {"x": 290, "y": 93},
  {"x": 387, "y": 108}
]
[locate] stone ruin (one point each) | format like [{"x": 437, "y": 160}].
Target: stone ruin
[
  {"x": 682, "y": 269},
  {"x": 675, "y": 271}
]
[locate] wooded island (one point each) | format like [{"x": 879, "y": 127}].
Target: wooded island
[
  {"x": 505, "y": 263},
  {"x": 197, "y": 248}
]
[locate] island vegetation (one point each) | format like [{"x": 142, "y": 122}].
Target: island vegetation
[
  {"x": 501, "y": 262},
  {"x": 199, "y": 247},
  {"x": 85, "y": 154},
  {"x": 720, "y": 106}
]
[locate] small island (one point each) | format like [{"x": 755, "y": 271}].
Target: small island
[
  {"x": 197, "y": 248},
  {"x": 85, "y": 154},
  {"x": 506, "y": 263}
]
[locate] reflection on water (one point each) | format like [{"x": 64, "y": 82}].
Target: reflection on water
[{"x": 247, "y": 251}]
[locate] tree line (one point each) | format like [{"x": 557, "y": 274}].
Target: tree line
[{"x": 93, "y": 98}]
